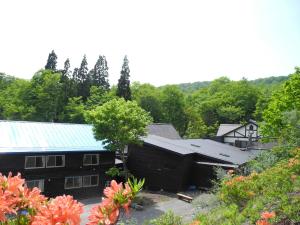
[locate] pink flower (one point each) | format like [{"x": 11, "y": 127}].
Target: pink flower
[
  {"x": 107, "y": 213},
  {"x": 110, "y": 192},
  {"x": 33, "y": 199},
  {"x": 61, "y": 210},
  {"x": 15, "y": 184},
  {"x": 262, "y": 222},
  {"x": 268, "y": 215}
]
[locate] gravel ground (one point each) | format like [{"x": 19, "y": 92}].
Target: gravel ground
[{"x": 158, "y": 203}]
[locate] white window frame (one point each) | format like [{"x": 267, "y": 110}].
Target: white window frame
[
  {"x": 41, "y": 183},
  {"x": 90, "y": 164},
  {"x": 80, "y": 178},
  {"x": 35, "y": 156},
  {"x": 90, "y": 185},
  {"x": 63, "y": 160}
]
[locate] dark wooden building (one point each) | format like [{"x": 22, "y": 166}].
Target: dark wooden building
[
  {"x": 175, "y": 164},
  {"x": 58, "y": 158}
]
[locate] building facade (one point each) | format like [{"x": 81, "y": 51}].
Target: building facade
[
  {"x": 238, "y": 135},
  {"x": 179, "y": 164},
  {"x": 57, "y": 158}
]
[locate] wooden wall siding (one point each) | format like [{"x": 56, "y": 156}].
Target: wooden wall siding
[
  {"x": 202, "y": 175},
  {"x": 54, "y": 178},
  {"x": 170, "y": 171},
  {"x": 161, "y": 169}
]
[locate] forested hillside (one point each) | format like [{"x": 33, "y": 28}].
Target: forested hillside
[
  {"x": 269, "y": 81},
  {"x": 62, "y": 95}
]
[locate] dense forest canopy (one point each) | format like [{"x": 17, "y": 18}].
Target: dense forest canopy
[{"x": 196, "y": 109}]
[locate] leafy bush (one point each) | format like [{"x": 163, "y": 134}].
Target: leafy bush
[
  {"x": 113, "y": 172},
  {"x": 168, "y": 218},
  {"x": 243, "y": 199},
  {"x": 267, "y": 159}
]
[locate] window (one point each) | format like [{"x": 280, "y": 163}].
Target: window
[
  {"x": 90, "y": 159},
  {"x": 90, "y": 180},
  {"x": 73, "y": 182},
  {"x": 34, "y": 162},
  {"x": 55, "y": 161},
  {"x": 35, "y": 183},
  {"x": 251, "y": 127}
]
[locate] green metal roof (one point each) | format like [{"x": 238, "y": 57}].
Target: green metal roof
[{"x": 23, "y": 136}]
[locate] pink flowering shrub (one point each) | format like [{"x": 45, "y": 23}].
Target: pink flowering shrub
[
  {"x": 20, "y": 205},
  {"x": 117, "y": 196}
]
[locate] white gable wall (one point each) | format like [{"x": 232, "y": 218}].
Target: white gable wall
[{"x": 241, "y": 134}]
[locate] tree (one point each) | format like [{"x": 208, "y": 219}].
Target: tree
[
  {"x": 46, "y": 96},
  {"x": 74, "y": 111},
  {"x": 196, "y": 127},
  {"x": 51, "y": 62},
  {"x": 174, "y": 107},
  {"x": 147, "y": 96},
  {"x": 123, "y": 90},
  {"x": 66, "y": 70},
  {"x": 14, "y": 102},
  {"x": 84, "y": 80},
  {"x": 100, "y": 73},
  {"x": 277, "y": 116},
  {"x": 119, "y": 123},
  {"x": 65, "y": 80},
  {"x": 98, "y": 97}
]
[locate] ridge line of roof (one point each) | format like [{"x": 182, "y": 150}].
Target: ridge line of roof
[{"x": 42, "y": 122}]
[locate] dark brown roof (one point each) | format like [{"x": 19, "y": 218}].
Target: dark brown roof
[
  {"x": 204, "y": 147},
  {"x": 163, "y": 130}
]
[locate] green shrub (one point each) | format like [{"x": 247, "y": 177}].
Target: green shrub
[
  {"x": 168, "y": 218},
  {"x": 244, "y": 198}
]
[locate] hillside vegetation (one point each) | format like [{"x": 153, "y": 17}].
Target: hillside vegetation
[
  {"x": 65, "y": 95},
  {"x": 269, "y": 81},
  {"x": 265, "y": 190}
]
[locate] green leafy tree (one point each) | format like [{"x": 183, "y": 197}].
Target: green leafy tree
[
  {"x": 148, "y": 97},
  {"x": 224, "y": 101},
  {"x": 14, "y": 102},
  {"x": 98, "y": 97},
  {"x": 51, "y": 62},
  {"x": 74, "y": 111},
  {"x": 173, "y": 105},
  {"x": 5, "y": 80},
  {"x": 123, "y": 90},
  {"x": 119, "y": 123},
  {"x": 285, "y": 100},
  {"x": 196, "y": 127},
  {"x": 46, "y": 96}
]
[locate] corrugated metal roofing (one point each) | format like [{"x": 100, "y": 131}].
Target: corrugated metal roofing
[
  {"x": 225, "y": 128},
  {"x": 23, "y": 136},
  {"x": 204, "y": 147},
  {"x": 163, "y": 130}
]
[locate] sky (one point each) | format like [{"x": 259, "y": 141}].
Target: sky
[{"x": 166, "y": 41}]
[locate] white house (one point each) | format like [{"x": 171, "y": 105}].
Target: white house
[{"x": 238, "y": 135}]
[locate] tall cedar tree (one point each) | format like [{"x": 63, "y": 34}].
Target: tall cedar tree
[
  {"x": 84, "y": 80},
  {"x": 66, "y": 82},
  {"x": 123, "y": 89},
  {"x": 66, "y": 70},
  {"x": 51, "y": 62},
  {"x": 100, "y": 73}
]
